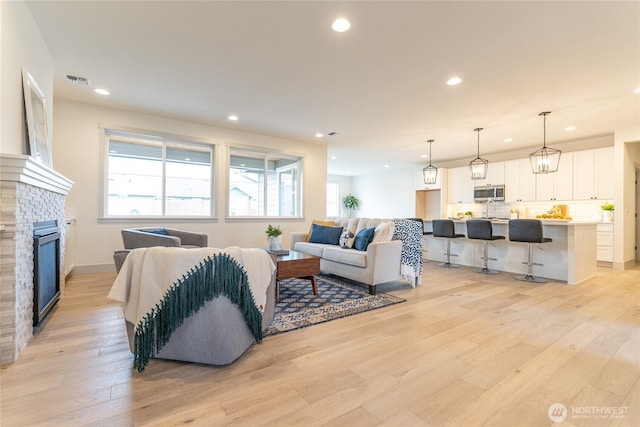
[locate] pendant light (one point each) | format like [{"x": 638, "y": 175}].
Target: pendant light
[
  {"x": 478, "y": 166},
  {"x": 546, "y": 159},
  {"x": 430, "y": 173}
]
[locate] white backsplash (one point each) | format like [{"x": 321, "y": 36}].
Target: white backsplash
[{"x": 588, "y": 210}]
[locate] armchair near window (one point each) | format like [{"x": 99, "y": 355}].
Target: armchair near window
[
  {"x": 153, "y": 236},
  {"x": 147, "y": 237}
]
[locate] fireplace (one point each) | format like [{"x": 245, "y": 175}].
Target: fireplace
[
  {"x": 46, "y": 268},
  {"x": 30, "y": 193}
]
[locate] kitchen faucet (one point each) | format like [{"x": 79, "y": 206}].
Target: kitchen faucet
[{"x": 486, "y": 207}]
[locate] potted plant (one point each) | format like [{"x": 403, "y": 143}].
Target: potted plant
[
  {"x": 350, "y": 203},
  {"x": 607, "y": 212},
  {"x": 274, "y": 237},
  {"x": 468, "y": 215}
]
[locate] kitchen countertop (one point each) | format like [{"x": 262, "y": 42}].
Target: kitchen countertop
[{"x": 544, "y": 221}]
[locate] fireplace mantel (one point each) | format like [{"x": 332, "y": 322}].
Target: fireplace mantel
[
  {"x": 21, "y": 168},
  {"x": 31, "y": 192}
]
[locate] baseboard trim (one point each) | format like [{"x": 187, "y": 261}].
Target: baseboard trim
[{"x": 92, "y": 269}]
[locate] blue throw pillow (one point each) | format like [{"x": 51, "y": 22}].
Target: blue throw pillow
[
  {"x": 324, "y": 234},
  {"x": 162, "y": 231},
  {"x": 363, "y": 238}
]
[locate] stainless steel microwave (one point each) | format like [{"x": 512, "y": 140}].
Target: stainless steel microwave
[{"x": 488, "y": 192}]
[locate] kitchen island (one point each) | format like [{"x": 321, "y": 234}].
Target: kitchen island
[{"x": 570, "y": 258}]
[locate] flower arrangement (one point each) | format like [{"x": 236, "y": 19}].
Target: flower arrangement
[{"x": 608, "y": 206}]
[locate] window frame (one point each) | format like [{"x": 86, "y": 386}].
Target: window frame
[
  {"x": 236, "y": 149},
  {"x": 167, "y": 140}
]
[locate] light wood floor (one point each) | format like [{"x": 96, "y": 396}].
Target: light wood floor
[{"x": 464, "y": 350}]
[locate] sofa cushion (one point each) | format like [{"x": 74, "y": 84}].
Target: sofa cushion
[
  {"x": 325, "y": 234},
  {"x": 313, "y": 248},
  {"x": 363, "y": 238},
  {"x": 328, "y": 222},
  {"x": 384, "y": 232},
  {"x": 350, "y": 224},
  {"x": 364, "y": 223},
  {"x": 346, "y": 256},
  {"x": 346, "y": 239}
]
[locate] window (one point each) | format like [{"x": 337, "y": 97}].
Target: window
[
  {"x": 264, "y": 184},
  {"x": 154, "y": 176},
  {"x": 333, "y": 199}
]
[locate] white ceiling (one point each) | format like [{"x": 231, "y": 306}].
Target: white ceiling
[{"x": 381, "y": 85}]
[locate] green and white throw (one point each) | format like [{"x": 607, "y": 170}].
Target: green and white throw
[{"x": 161, "y": 287}]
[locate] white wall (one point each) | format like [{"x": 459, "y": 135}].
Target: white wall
[
  {"x": 627, "y": 158},
  {"x": 77, "y": 155},
  {"x": 386, "y": 195},
  {"x": 346, "y": 187},
  {"x": 21, "y": 47}
]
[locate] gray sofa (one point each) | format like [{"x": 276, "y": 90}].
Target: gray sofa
[
  {"x": 380, "y": 263},
  {"x": 216, "y": 335}
]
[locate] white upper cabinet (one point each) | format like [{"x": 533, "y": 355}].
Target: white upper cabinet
[
  {"x": 520, "y": 182},
  {"x": 495, "y": 175},
  {"x": 419, "y": 180},
  {"x": 592, "y": 174},
  {"x": 557, "y": 185},
  {"x": 460, "y": 185}
]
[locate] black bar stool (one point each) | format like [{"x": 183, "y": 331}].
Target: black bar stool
[
  {"x": 528, "y": 231},
  {"x": 481, "y": 229},
  {"x": 446, "y": 228}
]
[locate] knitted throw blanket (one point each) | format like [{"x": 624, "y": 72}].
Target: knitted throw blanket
[
  {"x": 410, "y": 232},
  {"x": 159, "y": 290}
]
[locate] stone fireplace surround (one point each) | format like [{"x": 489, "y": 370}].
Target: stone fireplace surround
[{"x": 29, "y": 192}]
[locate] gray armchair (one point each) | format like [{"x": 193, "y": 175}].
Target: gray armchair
[
  {"x": 154, "y": 236},
  {"x": 146, "y": 237}
]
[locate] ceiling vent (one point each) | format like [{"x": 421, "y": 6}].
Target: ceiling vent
[{"x": 75, "y": 80}]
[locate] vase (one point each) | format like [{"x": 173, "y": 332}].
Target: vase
[
  {"x": 607, "y": 216},
  {"x": 275, "y": 243}
]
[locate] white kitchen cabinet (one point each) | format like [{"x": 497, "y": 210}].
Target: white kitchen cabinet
[
  {"x": 69, "y": 246},
  {"x": 557, "y": 185},
  {"x": 495, "y": 175},
  {"x": 605, "y": 182},
  {"x": 419, "y": 180},
  {"x": 592, "y": 174},
  {"x": 520, "y": 182},
  {"x": 454, "y": 185},
  {"x": 460, "y": 185},
  {"x": 604, "y": 240}
]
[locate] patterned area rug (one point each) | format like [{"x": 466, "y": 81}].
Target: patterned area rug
[{"x": 337, "y": 297}]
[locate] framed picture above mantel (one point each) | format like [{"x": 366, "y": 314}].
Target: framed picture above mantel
[{"x": 39, "y": 145}]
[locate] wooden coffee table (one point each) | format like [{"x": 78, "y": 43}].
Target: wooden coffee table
[{"x": 297, "y": 264}]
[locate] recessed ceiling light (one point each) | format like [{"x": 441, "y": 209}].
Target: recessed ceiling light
[
  {"x": 424, "y": 156},
  {"x": 101, "y": 91},
  {"x": 637, "y": 90},
  {"x": 454, "y": 81},
  {"x": 508, "y": 140},
  {"x": 340, "y": 25},
  {"x": 570, "y": 128},
  {"x": 233, "y": 117},
  {"x": 386, "y": 166},
  {"x": 319, "y": 135},
  {"x": 333, "y": 157},
  {"x": 187, "y": 159}
]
